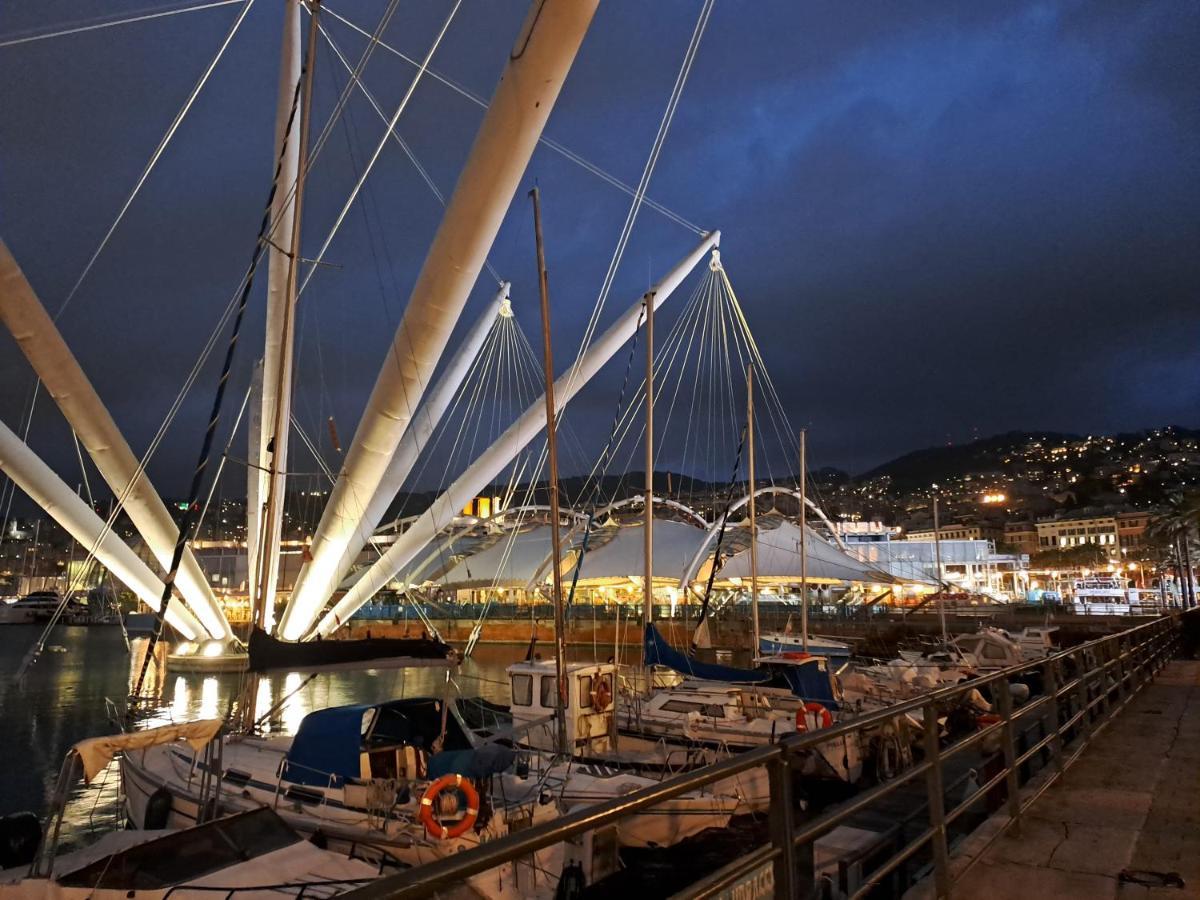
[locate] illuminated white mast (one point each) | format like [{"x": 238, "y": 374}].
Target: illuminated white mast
[{"x": 528, "y": 89}]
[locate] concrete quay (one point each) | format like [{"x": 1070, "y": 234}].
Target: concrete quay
[{"x": 1123, "y": 823}]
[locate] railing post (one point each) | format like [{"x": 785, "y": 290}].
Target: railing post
[
  {"x": 781, "y": 826},
  {"x": 937, "y": 811},
  {"x": 1012, "y": 783},
  {"x": 1050, "y": 686},
  {"x": 1085, "y": 694}
]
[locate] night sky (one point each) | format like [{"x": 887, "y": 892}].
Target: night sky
[{"x": 943, "y": 219}]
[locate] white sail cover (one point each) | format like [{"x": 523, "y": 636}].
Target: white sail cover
[
  {"x": 618, "y": 552},
  {"x": 779, "y": 557},
  {"x": 96, "y": 753}
]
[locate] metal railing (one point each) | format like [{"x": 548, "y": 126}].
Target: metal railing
[{"x": 1081, "y": 690}]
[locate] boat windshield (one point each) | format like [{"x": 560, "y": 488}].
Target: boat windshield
[{"x": 187, "y": 855}]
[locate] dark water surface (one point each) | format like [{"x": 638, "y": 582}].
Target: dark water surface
[{"x": 62, "y": 698}]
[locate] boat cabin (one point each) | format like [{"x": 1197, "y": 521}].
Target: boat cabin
[
  {"x": 391, "y": 740},
  {"x": 589, "y": 709}
]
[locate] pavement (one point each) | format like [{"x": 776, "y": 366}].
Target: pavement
[{"x": 1122, "y": 824}]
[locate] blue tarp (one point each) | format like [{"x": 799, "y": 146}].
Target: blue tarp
[
  {"x": 477, "y": 764},
  {"x": 809, "y": 680},
  {"x": 659, "y": 652},
  {"x": 327, "y": 743}
]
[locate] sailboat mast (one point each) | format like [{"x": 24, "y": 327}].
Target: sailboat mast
[
  {"x": 560, "y": 625},
  {"x": 803, "y": 540},
  {"x": 271, "y": 532},
  {"x": 648, "y": 527},
  {"x": 753, "y": 517},
  {"x": 937, "y": 556}
]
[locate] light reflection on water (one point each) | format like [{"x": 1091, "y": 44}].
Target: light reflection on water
[{"x": 62, "y": 701}]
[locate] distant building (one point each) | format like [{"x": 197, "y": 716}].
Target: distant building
[
  {"x": 1079, "y": 531},
  {"x": 958, "y": 532},
  {"x": 1131, "y": 529},
  {"x": 865, "y": 532},
  {"x": 1022, "y": 537}
]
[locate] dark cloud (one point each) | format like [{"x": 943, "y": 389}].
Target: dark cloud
[{"x": 942, "y": 219}]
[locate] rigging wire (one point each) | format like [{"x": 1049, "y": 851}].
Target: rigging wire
[
  {"x": 412, "y": 87},
  {"x": 557, "y": 147},
  {"x": 643, "y": 183},
  {"x": 65, "y": 29},
  {"x": 157, "y": 154}
]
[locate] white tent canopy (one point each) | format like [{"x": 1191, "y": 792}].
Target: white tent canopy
[
  {"x": 511, "y": 562},
  {"x": 617, "y": 552},
  {"x": 779, "y": 557}
]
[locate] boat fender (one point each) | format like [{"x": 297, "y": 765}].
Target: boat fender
[
  {"x": 158, "y": 810},
  {"x": 429, "y": 818},
  {"x": 816, "y": 709},
  {"x": 20, "y": 835},
  {"x": 571, "y": 882}
]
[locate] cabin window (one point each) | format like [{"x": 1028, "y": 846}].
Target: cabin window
[
  {"x": 585, "y": 690},
  {"x": 549, "y": 692},
  {"x": 993, "y": 651},
  {"x": 683, "y": 706},
  {"x": 522, "y": 690}
]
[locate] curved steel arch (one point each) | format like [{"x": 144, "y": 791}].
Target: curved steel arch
[{"x": 702, "y": 551}]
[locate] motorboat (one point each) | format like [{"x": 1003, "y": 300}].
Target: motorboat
[{"x": 776, "y": 642}]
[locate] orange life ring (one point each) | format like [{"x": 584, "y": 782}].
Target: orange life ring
[
  {"x": 601, "y": 695},
  {"x": 429, "y": 818},
  {"x": 817, "y": 710},
  {"x": 795, "y": 654}
]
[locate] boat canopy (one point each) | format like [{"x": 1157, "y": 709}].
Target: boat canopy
[
  {"x": 96, "y": 753},
  {"x": 267, "y": 654},
  {"x": 328, "y": 745},
  {"x": 779, "y": 558},
  {"x": 659, "y": 653}
]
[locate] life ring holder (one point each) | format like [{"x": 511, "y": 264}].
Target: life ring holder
[
  {"x": 601, "y": 694},
  {"x": 816, "y": 709},
  {"x": 429, "y": 818}
]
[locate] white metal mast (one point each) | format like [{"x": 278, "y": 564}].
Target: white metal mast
[
  {"x": 803, "y": 541},
  {"x": 79, "y": 520},
  {"x": 753, "y": 518},
  {"x": 528, "y": 89},
  {"x": 648, "y": 587},
  {"x": 52, "y": 360},
  {"x": 937, "y": 555},
  {"x": 275, "y": 397},
  {"x": 423, "y": 425},
  {"x": 489, "y": 463}
]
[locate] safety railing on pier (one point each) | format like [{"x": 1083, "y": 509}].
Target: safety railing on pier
[{"x": 1081, "y": 689}]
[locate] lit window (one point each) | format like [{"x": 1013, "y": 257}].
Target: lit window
[{"x": 522, "y": 690}]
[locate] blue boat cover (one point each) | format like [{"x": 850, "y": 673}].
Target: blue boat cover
[
  {"x": 327, "y": 743},
  {"x": 659, "y": 652},
  {"x": 808, "y": 679},
  {"x": 477, "y": 764}
]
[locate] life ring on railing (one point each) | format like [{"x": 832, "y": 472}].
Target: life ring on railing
[
  {"x": 816, "y": 709},
  {"x": 429, "y": 800},
  {"x": 601, "y": 695}
]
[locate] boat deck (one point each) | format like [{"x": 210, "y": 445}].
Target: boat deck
[{"x": 1123, "y": 822}]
